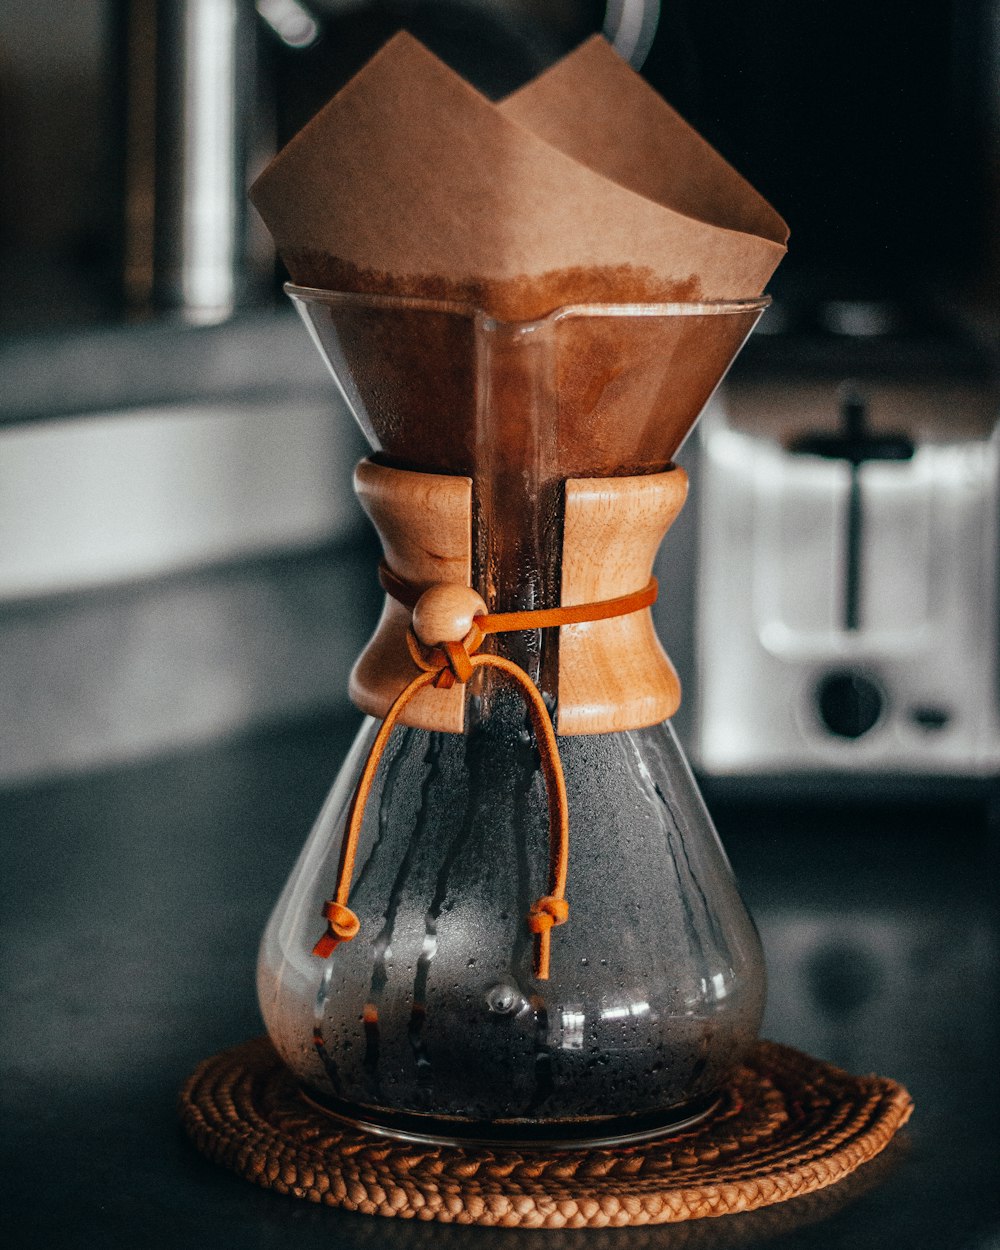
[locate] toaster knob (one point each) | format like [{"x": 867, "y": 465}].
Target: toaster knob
[{"x": 849, "y": 703}]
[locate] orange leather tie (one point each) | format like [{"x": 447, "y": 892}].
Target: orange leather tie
[{"x": 442, "y": 666}]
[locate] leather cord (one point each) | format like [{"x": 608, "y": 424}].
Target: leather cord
[{"x": 442, "y": 667}]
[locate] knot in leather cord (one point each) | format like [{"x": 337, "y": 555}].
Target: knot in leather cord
[
  {"x": 342, "y": 924},
  {"x": 451, "y": 662},
  {"x": 548, "y": 912},
  {"x": 441, "y": 667}
]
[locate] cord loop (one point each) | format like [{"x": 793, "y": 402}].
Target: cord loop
[{"x": 442, "y": 666}]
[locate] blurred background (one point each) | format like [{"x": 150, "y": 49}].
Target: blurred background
[
  {"x": 185, "y": 578},
  {"x": 175, "y": 518}
]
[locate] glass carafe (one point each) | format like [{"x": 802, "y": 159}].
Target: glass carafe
[{"x": 532, "y": 462}]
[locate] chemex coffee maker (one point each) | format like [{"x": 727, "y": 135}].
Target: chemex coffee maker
[{"x": 514, "y": 918}]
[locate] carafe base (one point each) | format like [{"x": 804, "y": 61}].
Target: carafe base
[{"x": 578, "y": 1134}]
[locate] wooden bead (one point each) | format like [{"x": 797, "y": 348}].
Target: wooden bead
[{"x": 444, "y": 613}]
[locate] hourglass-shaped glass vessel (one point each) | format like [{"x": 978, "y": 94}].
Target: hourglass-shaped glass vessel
[{"x": 530, "y": 463}]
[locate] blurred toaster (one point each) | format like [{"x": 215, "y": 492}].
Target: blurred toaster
[{"x": 846, "y": 617}]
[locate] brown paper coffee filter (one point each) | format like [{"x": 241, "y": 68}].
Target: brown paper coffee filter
[
  {"x": 411, "y": 183},
  {"x": 594, "y": 108}
]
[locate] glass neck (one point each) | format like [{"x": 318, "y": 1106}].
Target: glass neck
[{"x": 517, "y": 495}]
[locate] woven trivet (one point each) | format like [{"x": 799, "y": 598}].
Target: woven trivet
[{"x": 787, "y": 1125}]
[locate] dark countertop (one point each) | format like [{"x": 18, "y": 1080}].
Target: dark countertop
[{"x": 132, "y": 903}]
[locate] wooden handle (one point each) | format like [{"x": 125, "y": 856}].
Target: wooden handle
[
  {"x": 614, "y": 674},
  {"x": 425, "y": 523}
]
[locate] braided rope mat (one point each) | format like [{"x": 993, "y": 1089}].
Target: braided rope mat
[{"x": 787, "y": 1125}]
